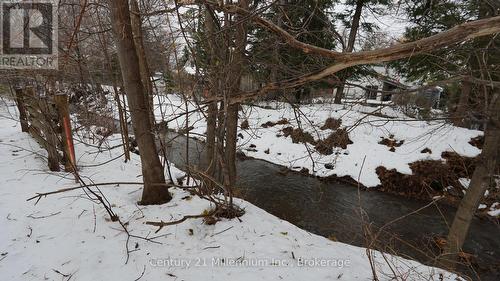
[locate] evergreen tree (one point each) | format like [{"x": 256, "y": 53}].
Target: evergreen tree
[
  {"x": 351, "y": 18},
  {"x": 474, "y": 59},
  {"x": 310, "y": 21}
]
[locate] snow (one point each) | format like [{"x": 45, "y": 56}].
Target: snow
[
  {"x": 494, "y": 210},
  {"x": 494, "y": 213},
  {"x": 465, "y": 182},
  {"x": 365, "y": 131},
  {"x": 67, "y": 236}
]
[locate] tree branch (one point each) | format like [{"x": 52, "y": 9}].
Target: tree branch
[{"x": 457, "y": 34}]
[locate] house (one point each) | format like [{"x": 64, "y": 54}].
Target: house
[{"x": 379, "y": 86}]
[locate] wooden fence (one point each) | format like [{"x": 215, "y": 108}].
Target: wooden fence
[{"x": 46, "y": 119}]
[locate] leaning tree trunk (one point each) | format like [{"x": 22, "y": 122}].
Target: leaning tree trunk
[
  {"x": 155, "y": 190},
  {"x": 350, "y": 47},
  {"x": 481, "y": 179}
]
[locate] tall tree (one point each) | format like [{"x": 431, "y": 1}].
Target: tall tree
[
  {"x": 350, "y": 47},
  {"x": 482, "y": 178},
  {"x": 209, "y": 54},
  {"x": 354, "y": 26},
  {"x": 472, "y": 60},
  {"x": 138, "y": 34},
  {"x": 102, "y": 38},
  {"x": 155, "y": 190},
  {"x": 482, "y": 61},
  {"x": 310, "y": 22},
  {"x": 236, "y": 70},
  {"x": 220, "y": 53}
]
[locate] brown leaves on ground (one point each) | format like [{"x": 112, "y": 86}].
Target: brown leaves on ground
[
  {"x": 459, "y": 165},
  {"x": 210, "y": 220},
  {"x": 477, "y": 142},
  {"x": 332, "y": 124},
  {"x": 426, "y": 150},
  {"x": 391, "y": 142},
  {"x": 431, "y": 177},
  {"x": 339, "y": 138},
  {"x": 268, "y": 124},
  {"x": 428, "y": 178},
  {"x": 298, "y": 135},
  {"x": 244, "y": 125}
]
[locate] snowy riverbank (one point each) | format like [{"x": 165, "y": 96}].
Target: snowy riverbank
[
  {"x": 378, "y": 137},
  {"x": 66, "y": 236},
  {"x": 365, "y": 131}
]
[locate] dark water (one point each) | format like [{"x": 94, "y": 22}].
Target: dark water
[{"x": 332, "y": 209}]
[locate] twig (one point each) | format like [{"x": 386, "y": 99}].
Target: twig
[
  {"x": 42, "y": 217},
  {"x": 142, "y": 274},
  {"x": 221, "y": 231},
  {"x": 40, "y": 195},
  {"x": 64, "y": 275},
  {"x": 161, "y": 224},
  {"x": 211, "y": 247}
]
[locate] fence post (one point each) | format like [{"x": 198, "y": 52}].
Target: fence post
[
  {"x": 46, "y": 129},
  {"x": 49, "y": 131},
  {"x": 30, "y": 105},
  {"x": 23, "y": 118},
  {"x": 62, "y": 105}
]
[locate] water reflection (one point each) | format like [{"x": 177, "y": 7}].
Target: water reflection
[{"x": 332, "y": 209}]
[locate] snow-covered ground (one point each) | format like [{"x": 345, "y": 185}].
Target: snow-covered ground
[
  {"x": 365, "y": 131},
  {"x": 366, "y": 126},
  {"x": 67, "y": 236}
]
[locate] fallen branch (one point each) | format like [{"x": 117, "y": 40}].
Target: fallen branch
[
  {"x": 342, "y": 60},
  {"x": 161, "y": 224},
  {"x": 43, "y": 217},
  {"x": 39, "y": 196}
]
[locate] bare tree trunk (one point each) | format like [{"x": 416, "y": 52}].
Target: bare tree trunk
[
  {"x": 141, "y": 53},
  {"x": 339, "y": 94},
  {"x": 350, "y": 47},
  {"x": 231, "y": 141},
  {"x": 211, "y": 127},
  {"x": 220, "y": 132},
  {"x": 155, "y": 190},
  {"x": 463, "y": 103},
  {"x": 121, "y": 113},
  {"x": 222, "y": 124},
  {"x": 273, "y": 75},
  {"x": 123, "y": 122},
  {"x": 212, "y": 89},
  {"x": 481, "y": 179},
  {"x": 232, "y": 109},
  {"x": 23, "y": 118}
]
